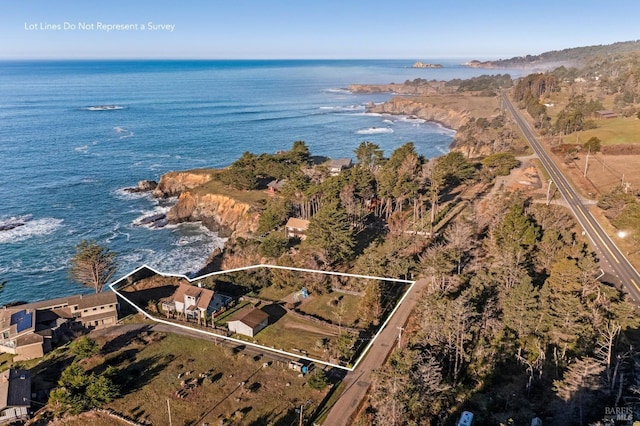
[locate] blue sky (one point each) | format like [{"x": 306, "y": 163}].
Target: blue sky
[{"x": 230, "y": 29}]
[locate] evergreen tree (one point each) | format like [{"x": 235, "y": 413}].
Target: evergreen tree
[
  {"x": 93, "y": 265},
  {"x": 329, "y": 231}
]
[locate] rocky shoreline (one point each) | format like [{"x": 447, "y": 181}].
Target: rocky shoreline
[{"x": 220, "y": 213}]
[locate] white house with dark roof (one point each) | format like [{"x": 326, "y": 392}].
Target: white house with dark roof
[
  {"x": 338, "y": 165},
  {"x": 193, "y": 301},
  {"x": 250, "y": 323},
  {"x": 15, "y": 396}
]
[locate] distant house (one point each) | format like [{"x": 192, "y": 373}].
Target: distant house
[
  {"x": 338, "y": 165},
  {"x": 29, "y": 330},
  {"x": 250, "y": 323},
  {"x": 275, "y": 186},
  {"x": 606, "y": 114},
  {"x": 15, "y": 396},
  {"x": 194, "y": 302},
  {"x": 296, "y": 228}
]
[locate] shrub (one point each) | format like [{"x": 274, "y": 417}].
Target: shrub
[
  {"x": 84, "y": 347},
  {"x": 318, "y": 380}
]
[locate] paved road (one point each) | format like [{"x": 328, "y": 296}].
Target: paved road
[
  {"x": 358, "y": 381},
  {"x": 608, "y": 252}
]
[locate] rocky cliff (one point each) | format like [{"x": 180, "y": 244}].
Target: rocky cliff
[
  {"x": 173, "y": 183},
  {"x": 220, "y": 213},
  {"x": 451, "y": 118}
]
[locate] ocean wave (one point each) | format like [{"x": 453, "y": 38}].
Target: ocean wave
[
  {"x": 187, "y": 254},
  {"x": 103, "y": 107},
  {"x": 341, "y": 91},
  {"x": 375, "y": 131},
  {"x": 116, "y": 232},
  {"x": 83, "y": 149},
  {"x": 28, "y": 228},
  {"x": 387, "y": 121},
  {"x": 123, "y": 194},
  {"x": 142, "y": 220},
  {"x": 342, "y": 108},
  {"x": 413, "y": 120},
  {"x": 127, "y": 133}
]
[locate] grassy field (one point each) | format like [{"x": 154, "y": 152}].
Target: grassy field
[
  {"x": 274, "y": 293},
  {"x": 477, "y": 106},
  {"x": 216, "y": 187},
  {"x": 237, "y": 387},
  {"x": 611, "y": 132},
  {"x": 332, "y": 305},
  {"x": 294, "y": 334}
]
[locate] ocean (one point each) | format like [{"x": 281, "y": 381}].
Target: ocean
[{"x": 64, "y": 165}]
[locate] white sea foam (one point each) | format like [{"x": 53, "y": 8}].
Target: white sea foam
[
  {"x": 30, "y": 228},
  {"x": 187, "y": 254},
  {"x": 158, "y": 209},
  {"x": 124, "y": 132},
  {"x": 387, "y": 121},
  {"x": 413, "y": 120},
  {"x": 375, "y": 131},
  {"x": 83, "y": 148},
  {"x": 342, "y": 108},
  {"x": 123, "y": 194},
  {"x": 341, "y": 91},
  {"x": 103, "y": 107}
]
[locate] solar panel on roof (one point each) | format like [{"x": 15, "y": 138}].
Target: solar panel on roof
[{"x": 22, "y": 320}]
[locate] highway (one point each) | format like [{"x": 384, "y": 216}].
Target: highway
[{"x": 611, "y": 257}]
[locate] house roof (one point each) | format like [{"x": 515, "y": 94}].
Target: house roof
[
  {"x": 15, "y": 389},
  {"x": 91, "y": 300},
  {"x": 277, "y": 184},
  {"x": 294, "y": 222},
  {"x": 203, "y": 295},
  {"x": 254, "y": 317},
  {"x": 17, "y": 320},
  {"x": 340, "y": 163},
  {"x": 83, "y": 301}
]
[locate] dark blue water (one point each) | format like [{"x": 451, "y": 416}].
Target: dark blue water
[{"x": 63, "y": 167}]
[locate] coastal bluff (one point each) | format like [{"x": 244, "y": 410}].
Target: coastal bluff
[
  {"x": 447, "y": 116},
  {"x": 202, "y": 198}
]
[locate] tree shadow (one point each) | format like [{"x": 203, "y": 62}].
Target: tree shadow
[
  {"x": 124, "y": 340},
  {"x": 275, "y": 311},
  {"x": 140, "y": 373}
]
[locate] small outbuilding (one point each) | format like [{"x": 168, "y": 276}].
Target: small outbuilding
[{"x": 250, "y": 323}]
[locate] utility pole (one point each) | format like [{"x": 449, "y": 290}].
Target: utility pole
[
  {"x": 549, "y": 192},
  {"x": 301, "y": 407},
  {"x": 400, "y": 330},
  {"x": 169, "y": 410}
]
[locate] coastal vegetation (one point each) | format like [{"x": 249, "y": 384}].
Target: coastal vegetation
[
  {"x": 93, "y": 265},
  {"x": 515, "y": 322}
]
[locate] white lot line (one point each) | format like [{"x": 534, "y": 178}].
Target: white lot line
[{"x": 261, "y": 347}]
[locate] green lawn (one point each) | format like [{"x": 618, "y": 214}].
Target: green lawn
[
  {"x": 611, "y": 132},
  {"x": 293, "y": 334},
  {"x": 325, "y": 306},
  {"x": 265, "y": 396},
  {"x": 216, "y": 187},
  {"x": 274, "y": 293}
]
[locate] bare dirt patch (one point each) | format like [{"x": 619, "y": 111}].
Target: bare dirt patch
[{"x": 604, "y": 172}]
